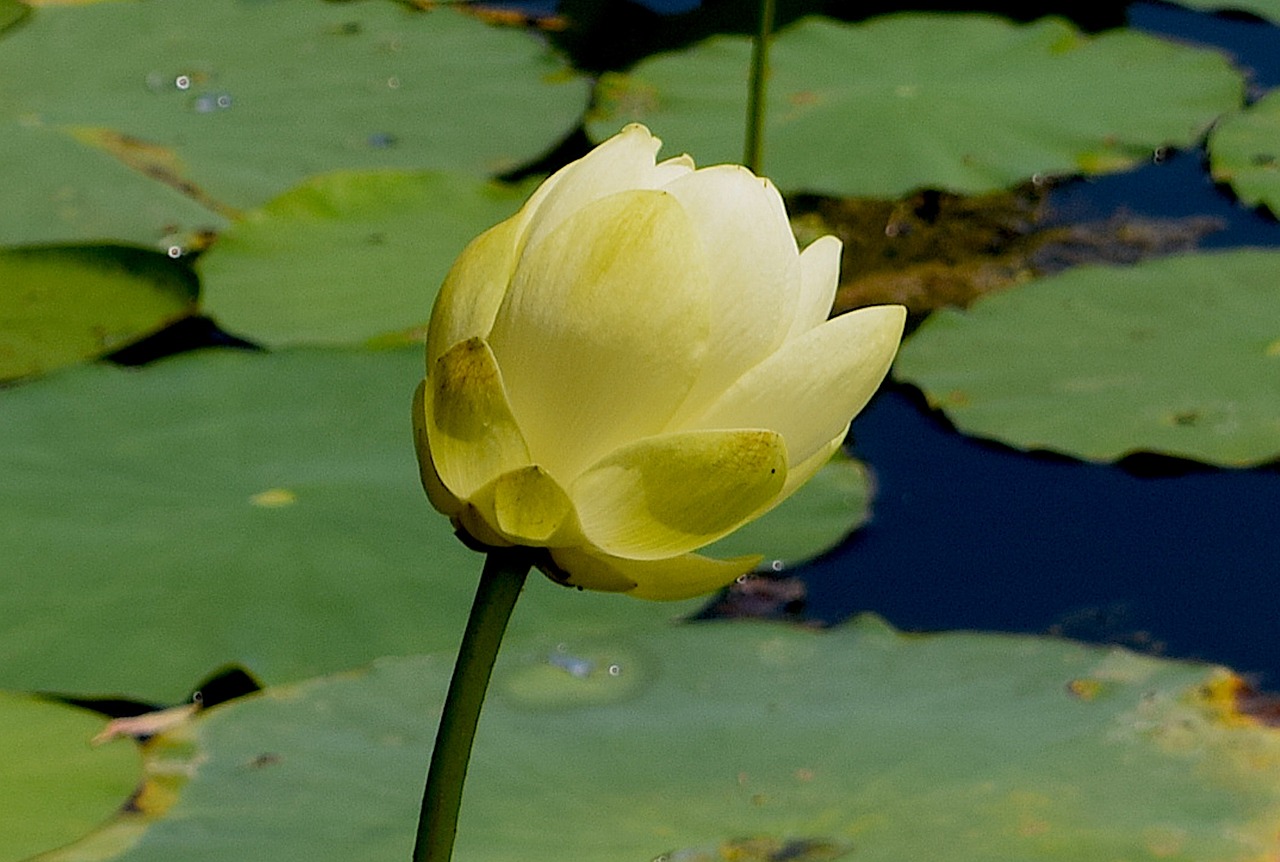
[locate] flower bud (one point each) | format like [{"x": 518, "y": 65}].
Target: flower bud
[{"x": 635, "y": 365}]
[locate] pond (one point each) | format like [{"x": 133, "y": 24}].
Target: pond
[{"x": 239, "y": 533}]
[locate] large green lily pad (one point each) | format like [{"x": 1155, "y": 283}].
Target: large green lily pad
[
  {"x": 57, "y": 787},
  {"x": 751, "y": 742},
  {"x": 1179, "y": 356},
  {"x": 59, "y": 306},
  {"x": 1244, "y": 150},
  {"x": 232, "y": 103},
  {"x": 965, "y": 103},
  {"x": 234, "y": 507},
  {"x": 70, "y": 194},
  {"x": 348, "y": 256}
]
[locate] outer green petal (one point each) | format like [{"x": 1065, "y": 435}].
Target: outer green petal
[
  {"x": 667, "y": 495},
  {"x": 604, "y": 329},
  {"x": 623, "y": 162},
  {"x": 443, "y": 501},
  {"x": 681, "y": 577},
  {"x": 819, "y": 278},
  {"x": 527, "y": 507},
  {"x": 810, "y": 389},
  {"x": 754, "y": 269},
  {"x": 473, "y": 289},
  {"x": 800, "y": 473},
  {"x": 471, "y": 434}
]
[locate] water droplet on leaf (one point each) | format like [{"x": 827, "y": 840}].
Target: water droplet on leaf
[{"x": 580, "y": 675}]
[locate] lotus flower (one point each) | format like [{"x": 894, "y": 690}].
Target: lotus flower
[{"x": 636, "y": 364}]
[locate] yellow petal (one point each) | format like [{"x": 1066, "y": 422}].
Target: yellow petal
[
  {"x": 604, "y": 329},
  {"x": 472, "y": 522},
  {"x": 589, "y": 570},
  {"x": 439, "y": 496},
  {"x": 754, "y": 269},
  {"x": 819, "y": 278},
  {"x": 625, "y": 161},
  {"x": 473, "y": 289},
  {"x": 527, "y": 507},
  {"x": 471, "y": 434},
  {"x": 798, "y": 474},
  {"x": 680, "y": 577},
  {"x": 813, "y": 386},
  {"x": 668, "y": 495}
]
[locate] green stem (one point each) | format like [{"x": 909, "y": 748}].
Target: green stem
[
  {"x": 752, "y": 152},
  {"x": 504, "y": 573}
]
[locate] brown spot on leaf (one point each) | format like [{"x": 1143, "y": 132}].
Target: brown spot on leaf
[
  {"x": 152, "y": 160},
  {"x": 1084, "y": 689},
  {"x": 1236, "y": 701},
  {"x": 762, "y": 849},
  {"x": 504, "y": 16}
]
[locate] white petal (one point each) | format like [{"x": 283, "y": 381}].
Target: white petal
[
  {"x": 819, "y": 278},
  {"x": 625, "y": 161},
  {"x": 672, "y": 169},
  {"x": 754, "y": 267},
  {"x": 604, "y": 329},
  {"x": 810, "y": 389}
]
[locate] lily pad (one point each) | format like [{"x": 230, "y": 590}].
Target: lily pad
[
  {"x": 963, "y": 103},
  {"x": 346, "y": 257},
  {"x": 751, "y": 742},
  {"x": 1244, "y": 150},
  {"x": 59, "y": 306},
  {"x": 70, "y": 194},
  {"x": 235, "y": 508},
  {"x": 1179, "y": 356},
  {"x": 233, "y": 103},
  {"x": 56, "y": 786}
]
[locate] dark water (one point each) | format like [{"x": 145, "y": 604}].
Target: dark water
[
  {"x": 1164, "y": 556},
  {"x": 977, "y": 536}
]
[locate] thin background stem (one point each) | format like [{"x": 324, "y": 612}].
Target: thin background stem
[
  {"x": 503, "y": 577},
  {"x": 752, "y": 155}
]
